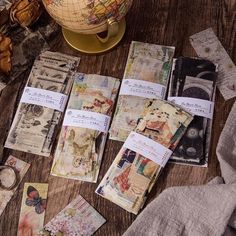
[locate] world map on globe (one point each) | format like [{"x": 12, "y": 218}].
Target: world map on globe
[{"x": 86, "y": 16}]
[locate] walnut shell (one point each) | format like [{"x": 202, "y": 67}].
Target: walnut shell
[
  {"x": 5, "y": 54},
  {"x": 25, "y": 12}
]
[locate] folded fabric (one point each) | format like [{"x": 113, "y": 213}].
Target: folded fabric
[
  {"x": 197, "y": 210},
  {"x": 80, "y": 147},
  {"x": 193, "y": 78},
  {"x": 35, "y": 124},
  {"x": 146, "y": 76},
  {"x": 132, "y": 175}
]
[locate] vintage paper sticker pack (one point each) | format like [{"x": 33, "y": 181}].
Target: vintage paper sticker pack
[
  {"x": 21, "y": 167},
  {"x": 83, "y": 134},
  {"x": 33, "y": 207},
  {"x": 207, "y": 45},
  {"x": 35, "y": 124},
  {"x": 192, "y": 86},
  {"x": 77, "y": 218},
  {"x": 145, "y": 77},
  {"x": 132, "y": 175}
]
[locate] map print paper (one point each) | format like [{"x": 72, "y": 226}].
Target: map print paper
[
  {"x": 207, "y": 45},
  {"x": 34, "y": 127},
  {"x": 78, "y": 218},
  {"x": 146, "y": 63},
  {"x": 80, "y": 148},
  {"x": 131, "y": 175}
]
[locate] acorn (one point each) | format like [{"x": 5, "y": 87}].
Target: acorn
[{"x": 25, "y": 12}]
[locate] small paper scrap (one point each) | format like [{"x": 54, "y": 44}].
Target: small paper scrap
[
  {"x": 33, "y": 207},
  {"x": 77, "y": 218},
  {"x": 21, "y": 167},
  {"x": 207, "y": 45}
]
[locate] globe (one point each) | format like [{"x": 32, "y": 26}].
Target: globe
[{"x": 87, "y": 17}]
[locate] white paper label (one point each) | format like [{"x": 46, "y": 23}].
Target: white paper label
[
  {"x": 196, "y": 106},
  {"x": 142, "y": 88},
  {"x": 46, "y": 98},
  {"x": 87, "y": 119},
  {"x": 148, "y": 148}
]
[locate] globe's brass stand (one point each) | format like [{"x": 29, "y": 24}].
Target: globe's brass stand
[{"x": 89, "y": 43}]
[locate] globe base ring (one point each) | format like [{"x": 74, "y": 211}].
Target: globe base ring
[{"x": 89, "y": 43}]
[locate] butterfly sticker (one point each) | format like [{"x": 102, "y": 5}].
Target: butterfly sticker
[{"x": 35, "y": 200}]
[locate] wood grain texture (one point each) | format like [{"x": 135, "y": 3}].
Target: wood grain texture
[{"x": 167, "y": 22}]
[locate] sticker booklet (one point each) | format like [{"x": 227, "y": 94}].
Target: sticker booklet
[
  {"x": 21, "y": 167},
  {"x": 139, "y": 162},
  {"x": 83, "y": 135},
  {"x": 33, "y": 207},
  {"x": 145, "y": 77},
  {"x": 35, "y": 124},
  {"x": 192, "y": 85},
  {"x": 77, "y": 218}
]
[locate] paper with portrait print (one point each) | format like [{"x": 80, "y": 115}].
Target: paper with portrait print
[
  {"x": 83, "y": 135},
  {"x": 132, "y": 174},
  {"x": 145, "y": 77},
  {"x": 33, "y": 208},
  {"x": 77, "y": 218},
  {"x": 207, "y": 45},
  {"x": 21, "y": 167}
]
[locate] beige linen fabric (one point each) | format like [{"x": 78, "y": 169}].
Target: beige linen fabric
[{"x": 207, "y": 210}]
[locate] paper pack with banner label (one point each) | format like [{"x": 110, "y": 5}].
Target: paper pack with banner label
[
  {"x": 21, "y": 167},
  {"x": 139, "y": 162},
  {"x": 34, "y": 127},
  {"x": 192, "y": 86},
  {"x": 77, "y": 218},
  {"x": 84, "y": 130},
  {"x": 145, "y": 78},
  {"x": 33, "y": 208}
]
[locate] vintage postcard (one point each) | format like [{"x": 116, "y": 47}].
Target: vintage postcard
[
  {"x": 78, "y": 218},
  {"x": 145, "y": 77},
  {"x": 33, "y": 207},
  {"x": 82, "y": 138},
  {"x": 21, "y": 167}
]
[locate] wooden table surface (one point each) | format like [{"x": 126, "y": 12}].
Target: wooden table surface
[{"x": 166, "y": 22}]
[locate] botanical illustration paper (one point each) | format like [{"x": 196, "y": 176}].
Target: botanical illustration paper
[
  {"x": 32, "y": 209},
  {"x": 34, "y": 127},
  {"x": 21, "y": 167},
  {"x": 146, "y": 62},
  {"x": 79, "y": 150},
  {"x": 131, "y": 176},
  {"x": 77, "y": 218}
]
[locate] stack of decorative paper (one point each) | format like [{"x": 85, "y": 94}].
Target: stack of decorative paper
[
  {"x": 143, "y": 155},
  {"x": 83, "y": 135},
  {"x": 192, "y": 86},
  {"x": 44, "y": 98},
  {"x": 146, "y": 77}
]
